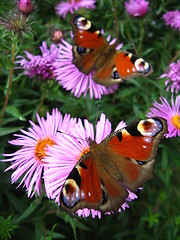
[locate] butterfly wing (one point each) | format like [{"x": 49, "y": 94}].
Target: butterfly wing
[
  {"x": 128, "y": 65},
  {"x": 124, "y": 160},
  {"x": 84, "y": 189},
  {"x": 88, "y": 43},
  {"x": 91, "y": 52},
  {"x": 134, "y": 149}
]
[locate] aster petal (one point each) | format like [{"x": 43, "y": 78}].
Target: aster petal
[
  {"x": 64, "y": 7},
  {"x": 164, "y": 110},
  {"x": 25, "y": 162}
]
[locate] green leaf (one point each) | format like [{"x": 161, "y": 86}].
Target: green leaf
[
  {"x": 177, "y": 220},
  {"x": 26, "y": 213},
  {"x": 12, "y": 110},
  {"x": 8, "y": 130}
]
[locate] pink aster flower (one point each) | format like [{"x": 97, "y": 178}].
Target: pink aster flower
[
  {"x": 27, "y": 163},
  {"x": 173, "y": 77},
  {"x": 137, "y": 8},
  {"x": 69, "y": 150},
  {"x": 170, "y": 113},
  {"x": 172, "y": 18},
  {"x": 69, "y": 76},
  {"x": 73, "y": 5},
  {"x": 40, "y": 66}
]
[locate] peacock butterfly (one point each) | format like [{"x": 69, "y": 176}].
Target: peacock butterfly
[
  {"x": 123, "y": 160},
  {"x": 91, "y": 52}
]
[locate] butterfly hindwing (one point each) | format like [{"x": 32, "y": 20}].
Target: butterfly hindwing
[
  {"x": 123, "y": 160},
  {"x": 92, "y": 53},
  {"x": 82, "y": 188},
  {"x": 135, "y": 149}
]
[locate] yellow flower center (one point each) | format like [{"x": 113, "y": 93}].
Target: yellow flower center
[
  {"x": 41, "y": 147},
  {"x": 84, "y": 151},
  {"x": 176, "y": 121}
]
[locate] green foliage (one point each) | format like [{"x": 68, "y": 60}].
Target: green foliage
[
  {"x": 6, "y": 228},
  {"x": 156, "y": 213}
]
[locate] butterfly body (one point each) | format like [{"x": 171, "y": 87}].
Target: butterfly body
[
  {"x": 123, "y": 161},
  {"x": 92, "y": 53}
]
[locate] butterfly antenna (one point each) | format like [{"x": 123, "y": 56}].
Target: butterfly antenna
[{"x": 67, "y": 134}]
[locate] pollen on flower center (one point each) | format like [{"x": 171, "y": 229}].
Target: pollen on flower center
[
  {"x": 176, "y": 121},
  {"x": 84, "y": 151},
  {"x": 41, "y": 147}
]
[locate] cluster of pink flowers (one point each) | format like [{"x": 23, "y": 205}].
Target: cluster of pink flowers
[
  {"x": 40, "y": 66},
  {"x": 57, "y": 63},
  {"x": 49, "y": 151}
]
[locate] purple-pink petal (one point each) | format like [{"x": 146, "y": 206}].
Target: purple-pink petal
[
  {"x": 172, "y": 18},
  {"x": 64, "y": 7},
  {"x": 137, "y": 8},
  {"x": 164, "y": 110}
]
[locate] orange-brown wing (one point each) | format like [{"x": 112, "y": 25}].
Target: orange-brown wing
[
  {"x": 134, "y": 149},
  {"x": 82, "y": 188},
  {"x": 128, "y": 65},
  {"x": 87, "y": 187},
  {"x": 120, "y": 66},
  {"x": 88, "y": 43},
  {"x": 85, "y": 34}
]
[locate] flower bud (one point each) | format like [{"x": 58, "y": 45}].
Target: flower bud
[
  {"x": 25, "y": 6},
  {"x": 58, "y": 35}
]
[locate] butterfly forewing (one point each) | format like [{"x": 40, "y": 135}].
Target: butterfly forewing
[{"x": 134, "y": 150}]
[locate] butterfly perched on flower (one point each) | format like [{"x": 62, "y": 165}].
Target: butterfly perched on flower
[
  {"x": 92, "y": 53},
  {"x": 105, "y": 173}
]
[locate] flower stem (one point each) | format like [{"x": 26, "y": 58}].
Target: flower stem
[
  {"x": 141, "y": 38},
  {"x": 10, "y": 77},
  {"x": 40, "y": 104},
  {"x": 116, "y": 20},
  {"x": 132, "y": 42},
  {"x": 175, "y": 57}
]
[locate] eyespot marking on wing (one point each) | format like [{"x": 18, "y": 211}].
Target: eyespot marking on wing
[
  {"x": 80, "y": 50},
  {"x": 82, "y": 23},
  {"x": 142, "y": 66},
  {"x": 70, "y": 194},
  {"x": 150, "y": 127},
  {"x": 115, "y": 74}
]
